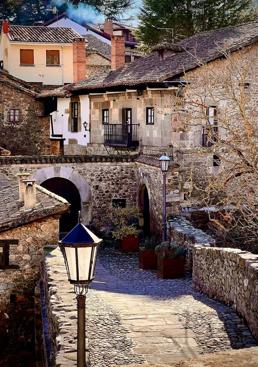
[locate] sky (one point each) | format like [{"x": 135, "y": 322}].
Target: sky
[{"x": 133, "y": 13}]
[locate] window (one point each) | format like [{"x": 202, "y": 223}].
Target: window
[
  {"x": 52, "y": 58},
  {"x": 128, "y": 59},
  {"x": 75, "y": 109},
  {"x": 212, "y": 115},
  {"x": 150, "y": 115},
  {"x": 105, "y": 116},
  {"x": 119, "y": 203},
  {"x": 5, "y": 252},
  {"x": 210, "y": 131},
  {"x": 27, "y": 57},
  {"x": 14, "y": 115},
  {"x": 216, "y": 161}
]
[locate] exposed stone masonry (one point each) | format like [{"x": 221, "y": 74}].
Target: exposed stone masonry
[
  {"x": 184, "y": 234},
  {"x": 231, "y": 276},
  {"x": 227, "y": 274},
  {"x": 17, "y": 288},
  {"x": 29, "y": 135}
]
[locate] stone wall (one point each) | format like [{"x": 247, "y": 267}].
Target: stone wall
[
  {"x": 96, "y": 64},
  {"x": 27, "y": 255},
  {"x": 226, "y": 274},
  {"x": 184, "y": 234},
  {"x": 99, "y": 180},
  {"x": 17, "y": 296},
  {"x": 231, "y": 276},
  {"x": 30, "y": 135}
]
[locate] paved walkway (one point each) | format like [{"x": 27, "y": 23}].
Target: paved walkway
[{"x": 133, "y": 317}]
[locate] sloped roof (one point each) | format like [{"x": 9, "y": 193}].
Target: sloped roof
[
  {"x": 6, "y": 78},
  {"x": 104, "y": 49},
  {"x": 95, "y": 44},
  {"x": 41, "y": 34},
  {"x": 196, "y": 50},
  {"x": 13, "y": 214}
]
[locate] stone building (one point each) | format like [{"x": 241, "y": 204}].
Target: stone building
[
  {"x": 24, "y": 129},
  {"x": 165, "y": 103},
  {"x": 29, "y": 220},
  {"x": 145, "y": 105}
]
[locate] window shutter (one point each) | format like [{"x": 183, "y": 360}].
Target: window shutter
[{"x": 27, "y": 57}]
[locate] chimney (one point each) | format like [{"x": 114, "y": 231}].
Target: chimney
[
  {"x": 108, "y": 27},
  {"x": 29, "y": 194},
  {"x": 79, "y": 59},
  {"x": 6, "y": 26},
  {"x": 22, "y": 176},
  {"x": 117, "y": 50}
]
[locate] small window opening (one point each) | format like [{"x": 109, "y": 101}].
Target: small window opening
[{"x": 119, "y": 203}]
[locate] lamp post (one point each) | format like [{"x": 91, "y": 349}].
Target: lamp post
[
  {"x": 164, "y": 164},
  {"x": 79, "y": 248}
]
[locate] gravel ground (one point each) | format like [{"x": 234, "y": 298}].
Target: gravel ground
[
  {"x": 109, "y": 344},
  {"x": 216, "y": 326}
]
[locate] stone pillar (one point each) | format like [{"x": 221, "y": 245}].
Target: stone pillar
[
  {"x": 117, "y": 50},
  {"x": 79, "y": 59}
]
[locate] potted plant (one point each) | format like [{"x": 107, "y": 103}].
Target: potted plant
[
  {"x": 147, "y": 254},
  {"x": 125, "y": 221},
  {"x": 170, "y": 260}
]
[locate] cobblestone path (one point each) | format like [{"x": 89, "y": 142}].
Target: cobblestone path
[{"x": 133, "y": 317}]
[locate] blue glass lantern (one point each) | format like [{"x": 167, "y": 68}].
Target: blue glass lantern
[{"x": 79, "y": 248}]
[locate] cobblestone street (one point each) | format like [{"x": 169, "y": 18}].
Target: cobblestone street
[{"x": 133, "y": 317}]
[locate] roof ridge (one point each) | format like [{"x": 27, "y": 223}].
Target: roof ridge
[
  {"x": 51, "y": 194},
  {"x": 215, "y": 30}
]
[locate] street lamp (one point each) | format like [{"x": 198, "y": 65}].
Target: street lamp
[
  {"x": 79, "y": 248},
  {"x": 164, "y": 164}
]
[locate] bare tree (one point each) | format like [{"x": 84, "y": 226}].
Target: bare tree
[{"x": 221, "y": 110}]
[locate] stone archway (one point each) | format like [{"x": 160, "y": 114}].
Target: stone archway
[
  {"x": 68, "y": 173},
  {"x": 144, "y": 206}
]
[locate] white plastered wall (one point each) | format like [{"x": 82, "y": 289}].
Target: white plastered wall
[{"x": 61, "y": 117}]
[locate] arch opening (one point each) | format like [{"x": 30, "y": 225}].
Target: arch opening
[
  {"x": 144, "y": 205},
  {"x": 66, "y": 189}
]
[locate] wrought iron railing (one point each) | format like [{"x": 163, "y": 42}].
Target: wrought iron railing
[{"x": 123, "y": 135}]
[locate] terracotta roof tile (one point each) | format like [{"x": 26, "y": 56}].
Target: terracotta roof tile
[{"x": 41, "y": 34}]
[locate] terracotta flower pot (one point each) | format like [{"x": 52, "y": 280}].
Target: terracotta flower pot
[
  {"x": 130, "y": 244},
  {"x": 148, "y": 259},
  {"x": 171, "y": 268}
]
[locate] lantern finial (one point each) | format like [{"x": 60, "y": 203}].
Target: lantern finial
[{"x": 79, "y": 217}]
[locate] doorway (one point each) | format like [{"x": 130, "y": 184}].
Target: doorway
[
  {"x": 144, "y": 205},
  {"x": 66, "y": 189}
]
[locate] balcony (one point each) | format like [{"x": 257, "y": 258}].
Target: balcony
[{"x": 121, "y": 135}]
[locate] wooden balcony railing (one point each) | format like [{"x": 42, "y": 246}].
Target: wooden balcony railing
[{"x": 121, "y": 135}]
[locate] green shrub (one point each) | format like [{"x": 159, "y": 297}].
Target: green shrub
[
  {"x": 169, "y": 250},
  {"x": 125, "y": 222},
  {"x": 149, "y": 243}
]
